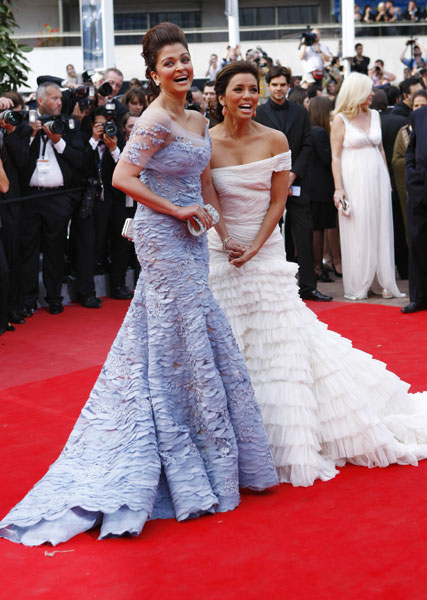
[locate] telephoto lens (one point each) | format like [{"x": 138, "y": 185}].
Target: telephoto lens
[{"x": 12, "y": 117}]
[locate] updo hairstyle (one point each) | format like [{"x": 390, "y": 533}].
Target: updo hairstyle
[
  {"x": 223, "y": 79},
  {"x": 163, "y": 34}
]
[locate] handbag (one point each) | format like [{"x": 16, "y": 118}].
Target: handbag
[
  {"x": 196, "y": 227},
  {"x": 127, "y": 231}
]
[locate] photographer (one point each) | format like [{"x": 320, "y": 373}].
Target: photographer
[
  {"x": 15, "y": 149},
  {"x": 53, "y": 167},
  {"x": 213, "y": 67},
  {"x": 408, "y": 87},
  {"x": 313, "y": 55},
  {"x": 378, "y": 75},
  {"x": 418, "y": 58}
]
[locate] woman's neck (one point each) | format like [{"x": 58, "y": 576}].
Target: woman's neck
[
  {"x": 174, "y": 104},
  {"x": 237, "y": 128}
]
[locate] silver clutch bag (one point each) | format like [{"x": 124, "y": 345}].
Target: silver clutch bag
[
  {"x": 196, "y": 227},
  {"x": 127, "y": 231}
]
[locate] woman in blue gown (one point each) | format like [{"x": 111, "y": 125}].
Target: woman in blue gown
[{"x": 171, "y": 427}]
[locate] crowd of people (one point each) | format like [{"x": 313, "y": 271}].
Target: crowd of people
[
  {"x": 387, "y": 12},
  {"x": 59, "y": 149},
  {"x": 194, "y": 402}
]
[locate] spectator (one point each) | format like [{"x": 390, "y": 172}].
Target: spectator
[
  {"x": 314, "y": 58},
  {"x": 213, "y": 67},
  {"x": 197, "y": 99},
  {"x": 393, "y": 95},
  {"x": 392, "y": 12},
  {"x": 231, "y": 55},
  {"x": 416, "y": 161},
  {"x": 135, "y": 101},
  {"x": 209, "y": 98},
  {"x": 408, "y": 87},
  {"x": 293, "y": 120},
  {"x": 320, "y": 182},
  {"x": 15, "y": 148},
  {"x": 128, "y": 124},
  {"x": 368, "y": 16},
  {"x": 399, "y": 155},
  {"x": 72, "y": 76},
  {"x": 362, "y": 186},
  {"x": 360, "y": 63},
  {"x": 381, "y": 16},
  {"x": 378, "y": 75},
  {"x": 299, "y": 96},
  {"x": 332, "y": 90},
  {"x": 390, "y": 126},
  {"x": 412, "y": 12},
  {"x": 135, "y": 84},
  {"x": 417, "y": 60},
  {"x": 54, "y": 164},
  {"x": 357, "y": 13}
]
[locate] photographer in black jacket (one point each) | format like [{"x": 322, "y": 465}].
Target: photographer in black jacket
[{"x": 54, "y": 167}]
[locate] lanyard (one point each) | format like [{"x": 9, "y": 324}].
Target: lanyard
[{"x": 44, "y": 139}]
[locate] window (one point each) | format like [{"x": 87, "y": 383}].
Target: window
[
  {"x": 251, "y": 17},
  {"x": 185, "y": 20},
  {"x": 130, "y": 21},
  {"x": 297, "y": 15}
]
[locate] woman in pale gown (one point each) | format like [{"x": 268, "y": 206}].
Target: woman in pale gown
[
  {"x": 362, "y": 180},
  {"x": 323, "y": 402},
  {"x": 171, "y": 427}
]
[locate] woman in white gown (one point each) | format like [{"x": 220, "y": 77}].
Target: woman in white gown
[
  {"x": 323, "y": 402},
  {"x": 361, "y": 179}
]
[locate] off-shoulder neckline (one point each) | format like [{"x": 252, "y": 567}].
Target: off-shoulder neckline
[
  {"x": 175, "y": 124},
  {"x": 256, "y": 162}
]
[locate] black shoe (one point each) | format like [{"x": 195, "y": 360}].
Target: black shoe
[
  {"x": 15, "y": 316},
  {"x": 121, "y": 293},
  {"x": 55, "y": 308},
  {"x": 27, "y": 310},
  {"x": 336, "y": 273},
  {"x": 7, "y": 327},
  {"x": 322, "y": 274},
  {"x": 315, "y": 295},
  {"x": 413, "y": 307},
  {"x": 91, "y": 302}
]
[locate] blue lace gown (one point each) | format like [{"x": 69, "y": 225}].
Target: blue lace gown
[{"x": 171, "y": 427}]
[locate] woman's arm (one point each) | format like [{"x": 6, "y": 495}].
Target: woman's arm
[
  {"x": 337, "y": 141},
  {"x": 126, "y": 178}
]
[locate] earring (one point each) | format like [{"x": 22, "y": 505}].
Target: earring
[{"x": 224, "y": 110}]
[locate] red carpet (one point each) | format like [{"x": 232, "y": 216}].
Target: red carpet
[{"x": 362, "y": 535}]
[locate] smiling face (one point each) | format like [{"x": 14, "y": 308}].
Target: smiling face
[
  {"x": 174, "y": 69},
  {"x": 241, "y": 96}
]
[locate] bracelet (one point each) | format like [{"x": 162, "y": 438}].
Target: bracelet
[{"x": 225, "y": 242}]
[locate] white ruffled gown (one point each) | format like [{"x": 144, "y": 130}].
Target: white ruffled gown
[{"x": 323, "y": 402}]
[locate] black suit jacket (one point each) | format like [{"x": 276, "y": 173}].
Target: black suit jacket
[
  {"x": 390, "y": 126},
  {"x": 320, "y": 184},
  {"x": 107, "y": 167},
  {"x": 16, "y": 151},
  {"x": 70, "y": 161},
  {"x": 402, "y": 110},
  {"x": 416, "y": 159},
  {"x": 297, "y": 130}
]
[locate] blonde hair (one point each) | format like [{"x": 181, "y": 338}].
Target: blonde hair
[{"x": 353, "y": 92}]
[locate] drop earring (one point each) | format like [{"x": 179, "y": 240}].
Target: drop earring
[{"x": 224, "y": 110}]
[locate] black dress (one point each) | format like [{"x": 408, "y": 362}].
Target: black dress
[{"x": 320, "y": 182}]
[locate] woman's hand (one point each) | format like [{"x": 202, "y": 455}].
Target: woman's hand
[
  {"x": 339, "y": 199},
  {"x": 243, "y": 258},
  {"x": 235, "y": 249},
  {"x": 183, "y": 213}
]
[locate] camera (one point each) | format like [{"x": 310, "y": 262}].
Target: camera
[
  {"x": 378, "y": 69},
  {"x": 91, "y": 194},
  {"x": 12, "y": 117},
  {"x": 110, "y": 127},
  {"x": 58, "y": 124},
  {"x": 410, "y": 42},
  {"x": 307, "y": 37}
]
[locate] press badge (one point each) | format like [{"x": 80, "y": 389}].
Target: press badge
[{"x": 43, "y": 167}]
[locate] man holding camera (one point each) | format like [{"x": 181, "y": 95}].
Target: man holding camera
[
  {"x": 313, "y": 55},
  {"x": 53, "y": 167},
  {"x": 416, "y": 61}
]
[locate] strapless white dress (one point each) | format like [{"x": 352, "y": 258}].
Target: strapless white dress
[{"x": 323, "y": 402}]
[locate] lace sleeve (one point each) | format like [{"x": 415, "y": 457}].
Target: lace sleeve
[
  {"x": 151, "y": 132},
  {"x": 283, "y": 161}
]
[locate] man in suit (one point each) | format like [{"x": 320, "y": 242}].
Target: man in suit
[
  {"x": 416, "y": 183},
  {"x": 54, "y": 164},
  {"x": 390, "y": 126},
  {"x": 408, "y": 87},
  {"x": 292, "y": 119}
]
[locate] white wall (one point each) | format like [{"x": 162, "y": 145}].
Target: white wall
[{"x": 52, "y": 61}]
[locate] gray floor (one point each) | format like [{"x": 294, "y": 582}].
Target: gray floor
[{"x": 335, "y": 289}]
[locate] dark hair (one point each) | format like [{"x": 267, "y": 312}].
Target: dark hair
[
  {"x": 16, "y": 98},
  {"x": 357, "y": 45},
  {"x": 136, "y": 81},
  {"x": 405, "y": 85},
  {"x": 380, "y": 100},
  {"x": 209, "y": 84},
  {"x": 163, "y": 34},
  {"x": 380, "y": 60},
  {"x": 312, "y": 90},
  {"x": 392, "y": 93},
  {"x": 99, "y": 110},
  {"x": 298, "y": 95},
  {"x": 223, "y": 79},
  {"x": 278, "y": 72},
  {"x": 320, "y": 112},
  {"x": 126, "y": 118},
  {"x": 422, "y": 93},
  {"x": 130, "y": 94}
]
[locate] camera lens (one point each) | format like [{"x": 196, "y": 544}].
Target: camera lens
[
  {"x": 12, "y": 117},
  {"x": 110, "y": 129}
]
